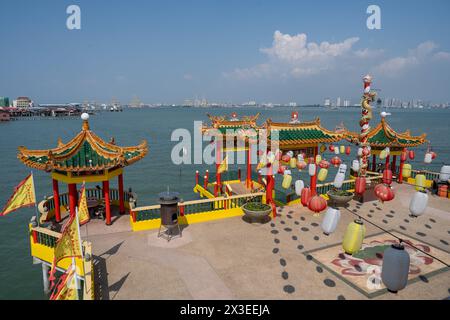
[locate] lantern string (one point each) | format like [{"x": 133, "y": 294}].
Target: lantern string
[{"x": 398, "y": 238}]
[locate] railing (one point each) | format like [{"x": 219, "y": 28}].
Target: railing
[
  {"x": 197, "y": 206},
  {"x": 429, "y": 175},
  {"x": 47, "y": 206},
  {"x": 45, "y": 237}
]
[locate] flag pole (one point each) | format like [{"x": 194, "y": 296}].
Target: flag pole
[
  {"x": 81, "y": 246},
  {"x": 74, "y": 267},
  {"x": 35, "y": 200}
]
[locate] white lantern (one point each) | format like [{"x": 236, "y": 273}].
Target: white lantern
[
  {"x": 312, "y": 169},
  {"x": 290, "y": 153},
  {"x": 360, "y": 151},
  {"x": 428, "y": 157},
  {"x": 287, "y": 171},
  {"x": 418, "y": 203},
  {"x": 330, "y": 220},
  {"x": 336, "y": 150},
  {"x": 355, "y": 165},
  {"x": 388, "y": 151},
  {"x": 300, "y": 158},
  {"x": 444, "y": 175},
  {"x": 395, "y": 268},
  {"x": 299, "y": 185},
  {"x": 271, "y": 157},
  {"x": 340, "y": 176}
]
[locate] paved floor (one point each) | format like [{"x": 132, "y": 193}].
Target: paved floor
[{"x": 231, "y": 259}]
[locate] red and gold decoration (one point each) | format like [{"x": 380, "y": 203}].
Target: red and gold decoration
[
  {"x": 384, "y": 192},
  {"x": 366, "y": 116},
  {"x": 23, "y": 196},
  {"x": 66, "y": 289}
]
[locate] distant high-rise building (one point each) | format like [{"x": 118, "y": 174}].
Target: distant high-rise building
[
  {"x": 327, "y": 102},
  {"x": 23, "y": 102},
  {"x": 4, "y": 102},
  {"x": 338, "y": 102},
  {"x": 292, "y": 104}
]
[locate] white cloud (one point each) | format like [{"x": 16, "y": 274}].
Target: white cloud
[
  {"x": 423, "y": 53},
  {"x": 369, "y": 53},
  {"x": 296, "y": 57}
]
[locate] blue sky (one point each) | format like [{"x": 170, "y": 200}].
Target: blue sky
[{"x": 167, "y": 51}]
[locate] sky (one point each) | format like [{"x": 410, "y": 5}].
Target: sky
[{"x": 225, "y": 51}]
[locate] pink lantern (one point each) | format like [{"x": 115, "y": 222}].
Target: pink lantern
[
  {"x": 281, "y": 169},
  {"x": 285, "y": 158},
  {"x": 384, "y": 193},
  {"x": 336, "y": 161},
  {"x": 387, "y": 176},
  {"x": 403, "y": 155},
  {"x": 411, "y": 154},
  {"x": 317, "y": 204},
  {"x": 305, "y": 196},
  {"x": 301, "y": 165},
  {"x": 324, "y": 164},
  {"x": 348, "y": 150},
  {"x": 360, "y": 185}
]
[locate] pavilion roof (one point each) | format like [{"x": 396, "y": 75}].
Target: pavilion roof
[
  {"x": 301, "y": 133},
  {"x": 85, "y": 152},
  {"x": 384, "y": 136},
  {"x": 230, "y": 125}
]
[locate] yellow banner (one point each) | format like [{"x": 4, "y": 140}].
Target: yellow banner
[
  {"x": 223, "y": 166},
  {"x": 83, "y": 211},
  {"x": 67, "y": 288},
  {"x": 23, "y": 196}
]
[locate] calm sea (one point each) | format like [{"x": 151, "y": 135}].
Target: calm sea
[{"x": 20, "y": 279}]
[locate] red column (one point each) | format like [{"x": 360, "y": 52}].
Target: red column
[
  {"x": 269, "y": 191},
  {"x": 218, "y": 162},
  {"x": 394, "y": 160},
  {"x": 56, "y": 201},
  {"x": 387, "y": 164},
  {"x": 121, "y": 204},
  {"x": 107, "y": 202},
  {"x": 72, "y": 198},
  {"x": 374, "y": 163},
  {"x": 400, "y": 169},
  {"x": 249, "y": 183},
  {"x": 313, "y": 182}
]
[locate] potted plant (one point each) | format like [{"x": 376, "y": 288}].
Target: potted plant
[
  {"x": 257, "y": 211},
  {"x": 340, "y": 197}
]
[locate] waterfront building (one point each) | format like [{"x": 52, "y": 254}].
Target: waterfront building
[
  {"x": 23, "y": 102},
  {"x": 4, "y": 102}
]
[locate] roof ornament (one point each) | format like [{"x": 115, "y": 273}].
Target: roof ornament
[
  {"x": 384, "y": 114},
  {"x": 85, "y": 118},
  {"x": 234, "y": 117},
  {"x": 294, "y": 117}
]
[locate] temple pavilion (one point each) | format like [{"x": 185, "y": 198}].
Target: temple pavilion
[
  {"x": 382, "y": 136},
  {"x": 84, "y": 159}
]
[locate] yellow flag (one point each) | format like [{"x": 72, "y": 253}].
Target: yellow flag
[
  {"x": 67, "y": 288},
  {"x": 223, "y": 166},
  {"x": 68, "y": 246},
  {"x": 23, "y": 196},
  {"x": 83, "y": 211}
]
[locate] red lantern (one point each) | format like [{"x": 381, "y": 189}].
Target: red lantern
[
  {"x": 281, "y": 169},
  {"x": 433, "y": 155},
  {"x": 403, "y": 155},
  {"x": 387, "y": 176},
  {"x": 360, "y": 185},
  {"x": 336, "y": 161},
  {"x": 317, "y": 204},
  {"x": 311, "y": 160},
  {"x": 411, "y": 154},
  {"x": 285, "y": 158},
  {"x": 324, "y": 164},
  {"x": 301, "y": 165},
  {"x": 305, "y": 196},
  {"x": 278, "y": 155},
  {"x": 347, "y": 150},
  {"x": 384, "y": 193},
  {"x": 331, "y": 147},
  {"x": 366, "y": 151}
]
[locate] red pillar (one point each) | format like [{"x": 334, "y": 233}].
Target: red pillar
[
  {"x": 56, "y": 200},
  {"x": 72, "y": 198},
  {"x": 394, "y": 162},
  {"x": 121, "y": 204},
  {"x": 313, "y": 182},
  {"x": 249, "y": 183},
  {"x": 387, "y": 164},
  {"x": 400, "y": 169},
  {"x": 269, "y": 191},
  {"x": 374, "y": 163},
  {"x": 107, "y": 202},
  {"x": 218, "y": 162}
]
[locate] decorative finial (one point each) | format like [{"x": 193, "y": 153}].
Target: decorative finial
[{"x": 85, "y": 118}]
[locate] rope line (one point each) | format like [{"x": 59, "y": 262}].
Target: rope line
[{"x": 398, "y": 238}]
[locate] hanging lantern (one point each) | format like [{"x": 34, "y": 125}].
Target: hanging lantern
[
  {"x": 360, "y": 185},
  {"x": 287, "y": 179},
  {"x": 300, "y": 157},
  {"x": 444, "y": 175},
  {"x": 318, "y": 158},
  {"x": 290, "y": 153},
  {"x": 340, "y": 176},
  {"x": 293, "y": 162},
  {"x": 383, "y": 154},
  {"x": 323, "y": 148},
  {"x": 322, "y": 174},
  {"x": 331, "y": 147},
  {"x": 299, "y": 185},
  {"x": 342, "y": 149},
  {"x": 395, "y": 268},
  {"x": 428, "y": 158},
  {"x": 406, "y": 171},
  {"x": 285, "y": 158},
  {"x": 355, "y": 165},
  {"x": 420, "y": 182},
  {"x": 281, "y": 169},
  {"x": 278, "y": 155},
  {"x": 354, "y": 236},
  {"x": 336, "y": 150},
  {"x": 348, "y": 150},
  {"x": 433, "y": 155},
  {"x": 312, "y": 169},
  {"x": 330, "y": 220},
  {"x": 271, "y": 157},
  {"x": 324, "y": 164},
  {"x": 301, "y": 165},
  {"x": 336, "y": 161},
  {"x": 360, "y": 152},
  {"x": 418, "y": 203},
  {"x": 317, "y": 204},
  {"x": 403, "y": 155},
  {"x": 305, "y": 196},
  {"x": 384, "y": 193},
  {"x": 411, "y": 154},
  {"x": 387, "y": 176}
]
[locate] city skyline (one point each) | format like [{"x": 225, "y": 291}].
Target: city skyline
[{"x": 234, "y": 51}]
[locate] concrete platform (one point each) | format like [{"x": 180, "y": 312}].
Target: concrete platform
[{"x": 282, "y": 259}]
